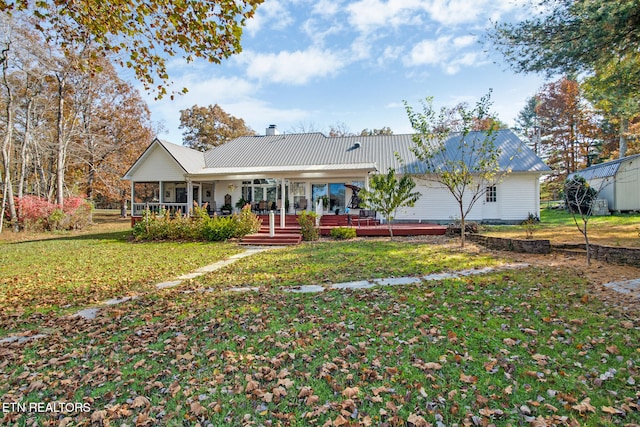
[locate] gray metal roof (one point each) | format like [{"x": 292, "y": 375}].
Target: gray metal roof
[
  {"x": 602, "y": 170},
  {"x": 287, "y": 151}
]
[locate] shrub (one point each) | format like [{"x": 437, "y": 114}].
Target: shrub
[
  {"x": 221, "y": 228},
  {"x": 38, "y": 214},
  {"x": 530, "y": 224},
  {"x": 343, "y": 233},
  {"x": 308, "y": 229},
  {"x": 248, "y": 222},
  {"x": 579, "y": 195},
  {"x": 199, "y": 226}
]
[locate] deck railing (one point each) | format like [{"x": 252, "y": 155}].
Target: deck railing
[{"x": 139, "y": 208}]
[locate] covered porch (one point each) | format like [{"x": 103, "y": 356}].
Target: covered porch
[{"x": 223, "y": 193}]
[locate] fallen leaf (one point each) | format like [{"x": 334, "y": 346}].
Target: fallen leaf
[
  {"x": 351, "y": 392},
  {"x": 98, "y": 416},
  {"x": 340, "y": 421},
  {"x": 432, "y": 366},
  {"x": 469, "y": 379},
  {"x": 140, "y": 402},
  {"x": 584, "y": 406},
  {"x": 613, "y": 349},
  {"x": 197, "y": 409},
  {"x": 612, "y": 411},
  {"x": 417, "y": 420}
]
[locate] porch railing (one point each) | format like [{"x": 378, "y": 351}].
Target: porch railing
[{"x": 139, "y": 208}]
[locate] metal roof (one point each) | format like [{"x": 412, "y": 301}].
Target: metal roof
[
  {"x": 289, "y": 151},
  {"x": 602, "y": 170}
]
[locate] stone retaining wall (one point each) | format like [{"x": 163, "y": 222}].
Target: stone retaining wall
[
  {"x": 514, "y": 245},
  {"x": 616, "y": 255},
  {"x": 610, "y": 254}
]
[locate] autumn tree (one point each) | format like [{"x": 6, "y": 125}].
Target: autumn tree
[
  {"x": 114, "y": 129},
  {"x": 66, "y": 131},
  {"x": 340, "y": 129},
  {"x": 143, "y": 34},
  {"x": 386, "y": 130},
  {"x": 453, "y": 155},
  {"x": 387, "y": 194},
  {"x": 593, "y": 38},
  {"x": 208, "y": 127},
  {"x": 568, "y": 128}
]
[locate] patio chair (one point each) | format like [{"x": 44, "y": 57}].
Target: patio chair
[{"x": 262, "y": 206}]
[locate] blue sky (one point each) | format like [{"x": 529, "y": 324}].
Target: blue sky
[{"x": 311, "y": 64}]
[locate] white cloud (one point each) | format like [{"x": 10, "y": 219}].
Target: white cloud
[
  {"x": 464, "y": 41},
  {"x": 430, "y": 52},
  {"x": 318, "y": 32},
  {"x": 368, "y": 15},
  {"x": 445, "y": 52},
  {"x": 452, "y": 12},
  {"x": 271, "y": 14},
  {"x": 326, "y": 7},
  {"x": 295, "y": 68}
]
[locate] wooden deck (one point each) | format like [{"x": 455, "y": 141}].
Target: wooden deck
[{"x": 364, "y": 227}]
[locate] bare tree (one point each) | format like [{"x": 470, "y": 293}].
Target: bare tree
[{"x": 454, "y": 155}]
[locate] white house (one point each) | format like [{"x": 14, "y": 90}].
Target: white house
[
  {"x": 306, "y": 167},
  {"x": 617, "y": 181}
]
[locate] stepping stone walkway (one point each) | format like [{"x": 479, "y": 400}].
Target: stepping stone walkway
[{"x": 626, "y": 287}]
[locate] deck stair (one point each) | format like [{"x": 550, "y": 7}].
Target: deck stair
[{"x": 289, "y": 235}]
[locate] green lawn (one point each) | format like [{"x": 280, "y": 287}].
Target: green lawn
[
  {"x": 518, "y": 347},
  {"x": 558, "y": 226},
  {"x": 46, "y": 277}
]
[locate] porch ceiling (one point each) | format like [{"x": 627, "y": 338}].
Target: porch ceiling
[{"x": 303, "y": 171}]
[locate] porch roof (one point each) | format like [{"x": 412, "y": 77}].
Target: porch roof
[{"x": 280, "y": 169}]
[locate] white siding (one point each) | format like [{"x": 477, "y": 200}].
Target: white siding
[
  {"x": 627, "y": 189},
  {"x": 158, "y": 165},
  {"x": 436, "y": 204},
  {"x": 517, "y": 196}
]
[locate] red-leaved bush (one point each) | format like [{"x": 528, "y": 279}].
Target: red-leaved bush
[{"x": 35, "y": 213}]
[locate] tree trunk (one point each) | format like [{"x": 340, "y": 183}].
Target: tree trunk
[
  {"x": 6, "y": 152},
  {"x": 462, "y": 224},
  {"x": 624, "y": 128},
  {"x": 585, "y": 222},
  {"x": 61, "y": 152},
  {"x": 24, "y": 150}
]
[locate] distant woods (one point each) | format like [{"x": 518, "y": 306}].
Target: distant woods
[{"x": 68, "y": 124}]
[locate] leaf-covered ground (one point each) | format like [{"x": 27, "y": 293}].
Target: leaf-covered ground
[
  {"x": 523, "y": 347},
  {"x": 39, "y": 279}
]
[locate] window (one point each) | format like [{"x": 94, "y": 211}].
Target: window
[{"x": 492, "y": 194}]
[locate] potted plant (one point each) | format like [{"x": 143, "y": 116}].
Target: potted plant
[
  {"x": 325, "y": 202},
  {"x": 241, "y": 203}
]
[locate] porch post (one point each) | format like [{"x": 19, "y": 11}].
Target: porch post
[
  {"x": 161, "y": 195},
  {"x": 291, "y": 203},
  {"x": 189, "y": 197},
  {"x": 282, "y": 204},
  {"x": 307, "y": 192},
  {"x": 133, "y": 184}
]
